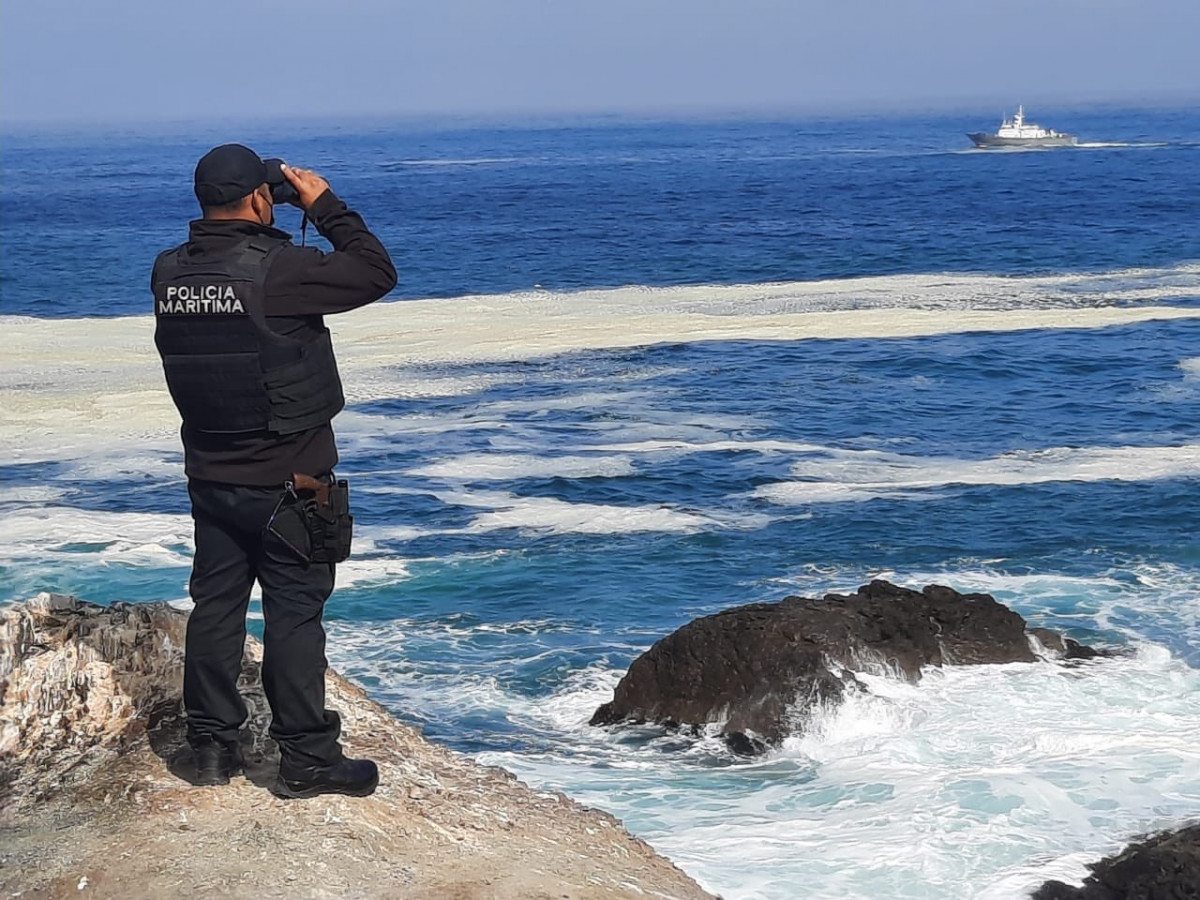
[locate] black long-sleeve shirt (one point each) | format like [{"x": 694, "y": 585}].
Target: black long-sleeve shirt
[{"x": 302, "y": 285}]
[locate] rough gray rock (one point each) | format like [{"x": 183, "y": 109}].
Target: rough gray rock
[
  {"x": 758, "y": 670},
  {"x": 90, "y": 807},
  {"x": 75, "y": 677}
]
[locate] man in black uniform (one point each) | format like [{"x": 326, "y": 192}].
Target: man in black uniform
[{"x": 250, "y": 366}]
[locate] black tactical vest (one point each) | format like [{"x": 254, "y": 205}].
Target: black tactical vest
[{"x": 227, "y": 372}]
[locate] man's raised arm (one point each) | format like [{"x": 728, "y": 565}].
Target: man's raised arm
[{"x": 306, "y": 281}]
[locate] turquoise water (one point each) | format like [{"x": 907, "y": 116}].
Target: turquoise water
[{"x": 530, "y": 523}]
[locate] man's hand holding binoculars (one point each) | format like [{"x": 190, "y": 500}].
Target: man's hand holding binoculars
[{"x": 308, "y": 184}]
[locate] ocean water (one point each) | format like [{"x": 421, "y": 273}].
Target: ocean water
[{"x": 669, "y": 367}]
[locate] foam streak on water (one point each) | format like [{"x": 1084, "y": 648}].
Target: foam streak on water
[
  {"x": 860, "y": 475},
  {"x": 67, "y": 385}
]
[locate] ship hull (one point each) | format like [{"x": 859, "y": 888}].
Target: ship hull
[{"x": 986, "y": 139}]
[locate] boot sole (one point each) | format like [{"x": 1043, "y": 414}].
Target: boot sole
[{"x": 286, "y": 791}]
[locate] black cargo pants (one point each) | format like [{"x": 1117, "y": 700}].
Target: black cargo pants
[{"x": 232, "y": 551}]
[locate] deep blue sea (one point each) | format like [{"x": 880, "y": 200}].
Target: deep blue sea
[{"x": 659, "y": 368}]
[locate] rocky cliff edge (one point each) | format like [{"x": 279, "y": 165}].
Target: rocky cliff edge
[{"x": 94, "y": 800}]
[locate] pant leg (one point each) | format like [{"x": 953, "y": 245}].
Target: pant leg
[
  {"x": 222, "y": 575},
  {"x": 294, "y": 664}
]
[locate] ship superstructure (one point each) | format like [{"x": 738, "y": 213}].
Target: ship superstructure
[{"x": 1016, "y": 132}]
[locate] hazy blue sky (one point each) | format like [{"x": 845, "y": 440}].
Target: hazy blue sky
[{"x": 153, "y": 59}]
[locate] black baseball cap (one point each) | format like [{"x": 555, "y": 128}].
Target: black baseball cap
[{"x": 228, "y": 173}]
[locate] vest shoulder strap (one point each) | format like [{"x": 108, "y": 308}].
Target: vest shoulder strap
[
  {"x": 166, "y": 256},
  {"x": 256, "y": 256}
]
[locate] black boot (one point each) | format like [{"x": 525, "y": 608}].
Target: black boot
[
  {"x": 356, "y": 777},
  {"x": 216, "y": 761}
]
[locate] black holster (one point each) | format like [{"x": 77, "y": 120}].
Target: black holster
[{"x": 325, "y": 505}]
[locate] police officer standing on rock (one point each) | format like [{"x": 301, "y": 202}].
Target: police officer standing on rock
[{"x": 250, "y": 366}]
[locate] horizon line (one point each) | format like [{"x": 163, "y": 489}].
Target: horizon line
[{"x": 665, "y": 112}]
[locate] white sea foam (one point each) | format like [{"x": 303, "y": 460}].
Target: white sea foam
[
  {"x": 467, "y": 161},
  {"x": 834, "y": 475},
  {"x": 367, "y": 537},
  {"x": 150, "y": 539},
  {"x": 509, "y": 466},
  {"x": 684, "y": 447},
  {"x": 44, "y": 540},
  {"x": 70, "y": 386},
  {"x": 549, "y": 515},
  {"x": 1108, "y": 144},
  {"x": 164, "y": 462},
  {"x": 359, "y": 571},
  {"x": 978, "y": 781},
  {"x": 30, "y": 493},
  {"x": 1148, "y": 601},
  {"x": 560, "y": 517},
  {"x": 644, "y": 417}
]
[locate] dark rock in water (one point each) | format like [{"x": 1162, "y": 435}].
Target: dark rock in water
[
  {"x": 758, "y": 670},
  {"x": 1165, "y": 866},
  {"x": 1065, "y": 647},
  {"x": 743, "y": 744}
]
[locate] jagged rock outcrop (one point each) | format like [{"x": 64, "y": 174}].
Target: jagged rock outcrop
[
  {"x": 758, "y": 670},
  {"x": 77, "y": 680},
  {"x": 90, "y": 731},
  {"x": 1164, "y": 866}
]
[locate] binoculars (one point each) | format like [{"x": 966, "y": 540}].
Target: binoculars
[{"x": 282, "y": 190}]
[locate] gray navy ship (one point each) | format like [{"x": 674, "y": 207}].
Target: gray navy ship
[{"x": 1016, "y": 132}]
